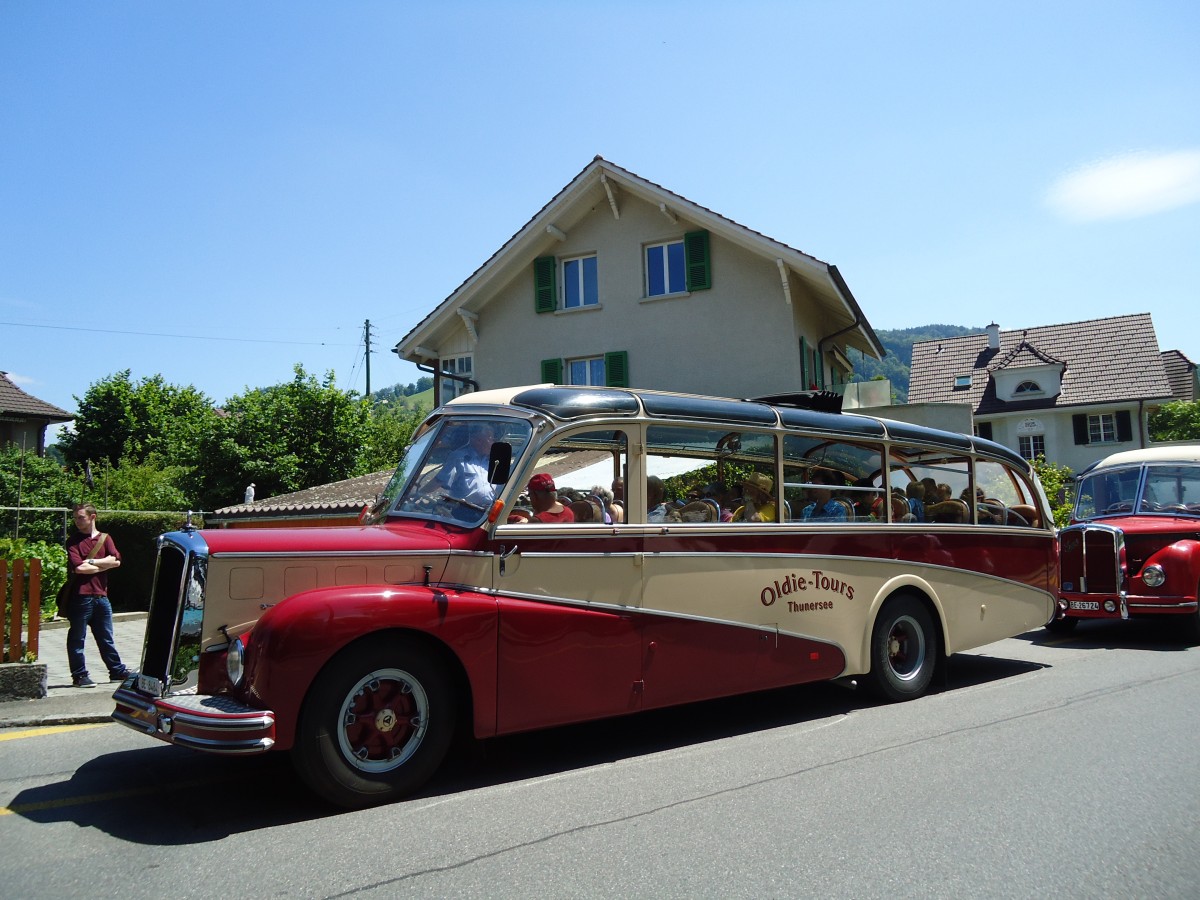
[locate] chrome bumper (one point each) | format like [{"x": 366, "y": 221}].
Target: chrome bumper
[{"x": 205, "y": 722}]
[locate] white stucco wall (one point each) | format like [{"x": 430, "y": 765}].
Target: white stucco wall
[
  {"x": 736, "y": 339},
  {"x": 1058, "y": 431}
]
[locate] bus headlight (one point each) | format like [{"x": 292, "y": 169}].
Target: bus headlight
[
  {"x": 235, "y": 662},
  {"x": 1153, "y": 576}
]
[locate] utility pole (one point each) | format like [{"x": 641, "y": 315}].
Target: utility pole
[{"x": 367, "y": 343}]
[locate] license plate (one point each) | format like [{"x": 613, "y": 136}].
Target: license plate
[
  {"x": 1084, "y": 604},
  {"x": 148, "y": 684}
]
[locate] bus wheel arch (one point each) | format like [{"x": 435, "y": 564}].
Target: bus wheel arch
[
  {"x": 905, "y": 645},
  {"x": 421, "y": 696}
]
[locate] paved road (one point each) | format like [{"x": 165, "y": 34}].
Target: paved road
[{"x": 1058, "y": 768}]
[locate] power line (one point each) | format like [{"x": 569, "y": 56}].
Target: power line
[{"x": 193, "y": 337}]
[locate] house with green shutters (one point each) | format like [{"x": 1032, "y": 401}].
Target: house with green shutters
[
  {"x": 618, "y": 281},
  {"x": 1073, "y": 393}
]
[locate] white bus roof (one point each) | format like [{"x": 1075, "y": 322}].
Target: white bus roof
[{"x": 1166, "y": 453}]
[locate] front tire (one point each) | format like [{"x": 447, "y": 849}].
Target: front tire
[
  {"x": 904, "y": 649},
  {"x": 376, "y": 723}
]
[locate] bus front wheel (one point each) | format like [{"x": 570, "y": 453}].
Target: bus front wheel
[
  {"x": 376, "y": 724},
  {"x": 904, "y": 649}
]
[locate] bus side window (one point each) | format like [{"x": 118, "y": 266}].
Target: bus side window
[
  {"x": 933, "y": 484},
  {"x": 832, "y": 481}
]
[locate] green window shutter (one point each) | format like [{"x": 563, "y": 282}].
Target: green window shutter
[
  {"x": 1079, "y": 424},
  {"x": 552, "y": 371},
  {"x": 545, "y": 291},
  {"x": 1124, "y": 426},
  {"x": 616, "y": 368},
  {"x": 697, "y": 260},
  {"x": 804, "y": 380}
]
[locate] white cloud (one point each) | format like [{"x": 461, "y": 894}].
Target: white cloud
[
  {"x": 19, "y": 380},
  {"x": 1127, "y": 187}
]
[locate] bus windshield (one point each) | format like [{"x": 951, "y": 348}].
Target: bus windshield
[
  {"x": 450, "y": 471},
  {"x": 1170, "y": 489}
]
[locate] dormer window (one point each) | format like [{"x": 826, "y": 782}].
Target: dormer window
[{"x": 1028, "y": 387}]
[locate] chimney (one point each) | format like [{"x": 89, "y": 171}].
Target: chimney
[{"x": 993, "y": 333}]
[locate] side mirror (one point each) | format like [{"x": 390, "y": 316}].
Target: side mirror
[{"x": 499, "y": 462}]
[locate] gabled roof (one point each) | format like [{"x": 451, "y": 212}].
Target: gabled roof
[
  {"x": 1181, "y": 373},
  {"x": 340, "y": 497},
  {"x": 14, "y": 401},
  {"x": 1025, "y": 355},
  {"x": 601, "y": 182},
  {"x": 1113, "y": 360}
]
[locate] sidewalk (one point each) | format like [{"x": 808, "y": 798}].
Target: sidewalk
[{"x": 65, "y": 704}]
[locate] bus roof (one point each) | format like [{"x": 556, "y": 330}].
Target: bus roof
[
  {"x": 1165, "y": 453},
  {"x": 566, "y": 402}
]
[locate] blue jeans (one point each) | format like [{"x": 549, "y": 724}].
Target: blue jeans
[{"x": 89, "y": 610}]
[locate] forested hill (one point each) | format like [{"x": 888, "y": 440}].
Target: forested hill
[{"x": 898, "y": 343}]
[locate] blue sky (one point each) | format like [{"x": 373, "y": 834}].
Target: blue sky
[{"x": 216, "y": 191}]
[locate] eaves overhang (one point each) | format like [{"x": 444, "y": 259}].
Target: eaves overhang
[{"x": 602, "y": 182}]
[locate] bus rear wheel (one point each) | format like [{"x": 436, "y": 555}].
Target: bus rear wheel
[
  {"x": 904, "y": 649},
  {"x": 376, "y": 724}
]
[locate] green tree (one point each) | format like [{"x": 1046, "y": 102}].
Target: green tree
[
  {"x": 1176, "y": 421},
  {"x": 283, "y": 438},
  {"x": 150, "y": 485},
  {"x": 387, "y": 434},
  {"x": 1058, "y": 483},
  {"x": 29, "y": 480},
  {"x": 120, "y": 422}
]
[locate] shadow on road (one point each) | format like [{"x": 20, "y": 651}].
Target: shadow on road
[
  {"x": 1162, "y": 634},
  {"x": 164, "y": 796}
]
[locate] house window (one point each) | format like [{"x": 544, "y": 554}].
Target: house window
[
  {"x": 983, "y": 430},
  {"x": 1032, "y": 445},
  {"x": 580, "y": 282},
  {"x": 609, "y": 370},
  {"x": 586, "y": 371},
  {"x": 676, "y": 267},
  {"x": 450, "y": 387},
  {"x": 666, "y": 269},
  {"x": 1102, "y": 429},
  {"x": 962, "y": 381},
  {"x": 1028, "y": 387}
]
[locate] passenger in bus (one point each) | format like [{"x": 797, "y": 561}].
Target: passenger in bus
[
  {"x": 758, "y": 501},
  {"x": 584, "y": 511},
  {"x": 656, "y": 509},
  {"x": 544, "y": 498},
  {"x": 901, "y": 511},
  {"x": 915, "y": 491},
  {"x": 604, "y": 498},
  {"x": 715, "y": 492},
  {"x": 823, "y": 505},
  {"x": 931, "y": 492}
]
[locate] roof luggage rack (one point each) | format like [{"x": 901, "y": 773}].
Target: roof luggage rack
[{"x": 818, "y": 401}]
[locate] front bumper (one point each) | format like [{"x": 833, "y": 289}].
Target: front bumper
[
  {"x": 1092, "y": 606},
  {"x": 214, "y": 724}
]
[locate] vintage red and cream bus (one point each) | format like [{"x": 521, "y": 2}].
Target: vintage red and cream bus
[
  {"x": 1133, "y": 545},
  {"x": 712, "y": 547}
]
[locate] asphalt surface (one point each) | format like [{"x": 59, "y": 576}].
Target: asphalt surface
[{"x": 65, "y": 704}]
